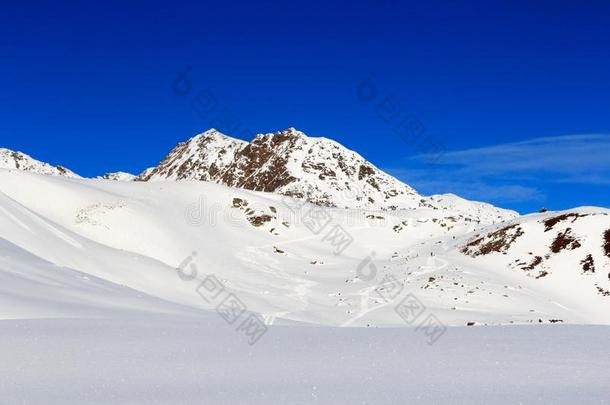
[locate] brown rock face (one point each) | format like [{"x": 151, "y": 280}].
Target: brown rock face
[
  {"x": 565, "y": 241},
  {"x": 607, "y": 243},
  {"x": 261, "y": 165},
  {"x": 496, "y": 242},
  {"x": 551, "y": 222}
]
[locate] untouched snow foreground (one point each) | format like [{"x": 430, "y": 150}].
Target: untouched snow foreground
[
  {"x": 161, "y": 360},
  {"x": 128, "y": 292}
]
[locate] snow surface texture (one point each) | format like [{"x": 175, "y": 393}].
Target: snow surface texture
[{"x": 180, "y": 360}]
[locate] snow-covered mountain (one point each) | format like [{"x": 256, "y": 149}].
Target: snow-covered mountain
[
  {"x": 565, "y": 251},
  {"x": 169, "y": 273},
  {"x": 20, "y": 161},
  {"x": 469, "y": 261},
  {"x": 288, "y": 163},
  {"x": 118, "y": 176},
  {"x": 203, "y": 157},
  {"x": 293, "y": 164}
]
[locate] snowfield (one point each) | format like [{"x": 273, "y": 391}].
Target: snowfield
[
  {"x": 196, "y": 292},
  {"x": 271, "y": 252},
  {"x": 180, "y": 360}
]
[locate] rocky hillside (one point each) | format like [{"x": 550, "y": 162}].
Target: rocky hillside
[
  {"x": 20, "y": 161},
  {"x": 566, "y": 248},
  {"x": 318, "y": 170}
]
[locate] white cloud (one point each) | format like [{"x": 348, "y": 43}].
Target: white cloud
[
  {"x": 474, "y": 189},
  {"x": 513, "y": 172},
  {"x": 571, "y": 158}
]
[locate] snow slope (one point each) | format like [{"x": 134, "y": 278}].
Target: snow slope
[
  {"x": 268, "y": 251},
  {"x": 118, "y": 176},
  {"x": 565, "y": 251}
]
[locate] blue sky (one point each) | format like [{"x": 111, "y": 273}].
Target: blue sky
[{"x": 517, "y": 93}]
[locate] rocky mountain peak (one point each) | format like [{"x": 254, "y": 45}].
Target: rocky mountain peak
[
  {"x": 13, "y": 160},
  {"x": 316, "y": 169}
]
